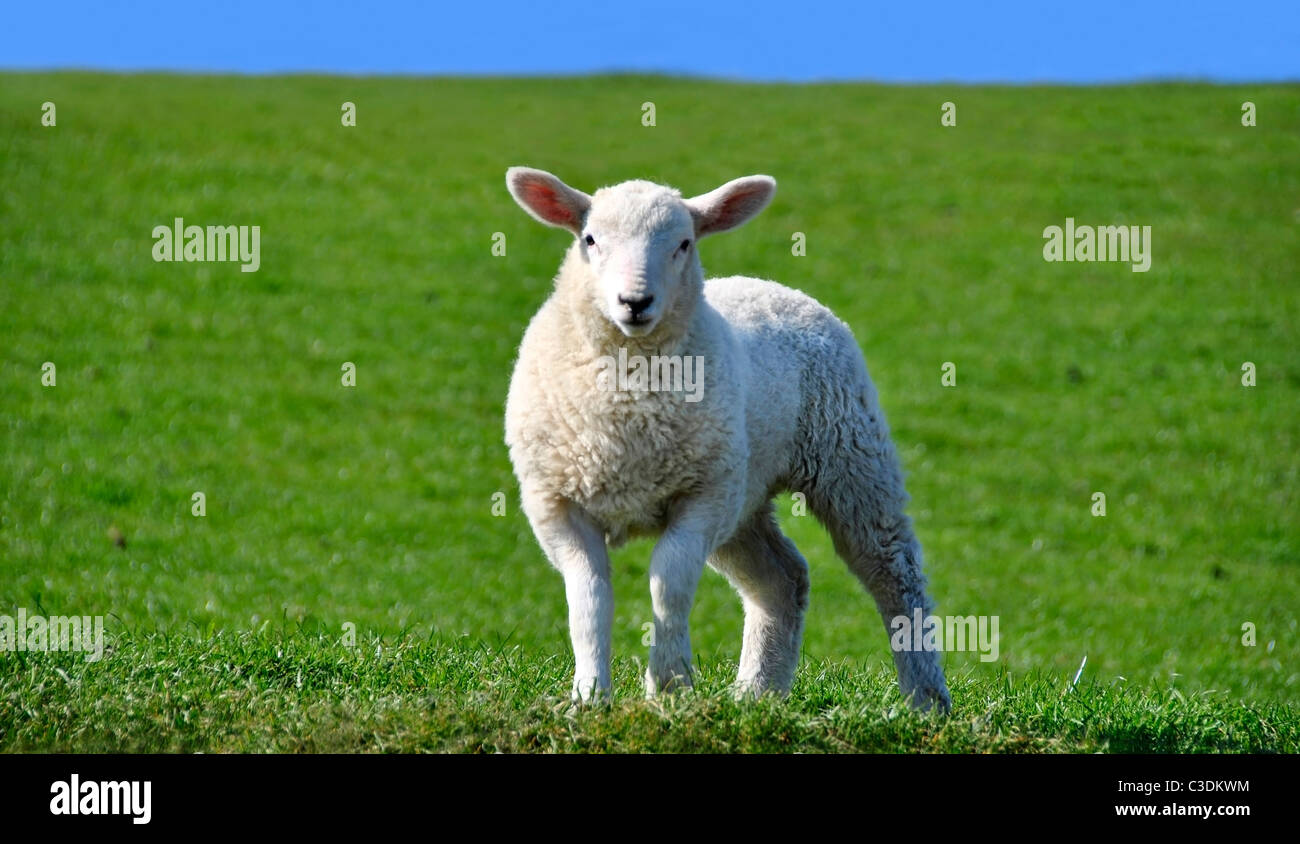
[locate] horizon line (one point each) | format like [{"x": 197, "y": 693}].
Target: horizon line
[{"x": 1154, "y": 79}]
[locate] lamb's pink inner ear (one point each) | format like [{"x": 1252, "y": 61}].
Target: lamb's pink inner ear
[
  {"x": 731, "y": 205},
  {"x": 736, "y": 208},
  {"x": 542, "y": 198}
]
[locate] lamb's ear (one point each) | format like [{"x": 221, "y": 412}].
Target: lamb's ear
[
  {"x": 547, "y": 198},
  {"x": 732, "y": 204}
]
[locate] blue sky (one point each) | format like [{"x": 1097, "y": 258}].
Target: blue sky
[{"x": 1073, "y": 41}]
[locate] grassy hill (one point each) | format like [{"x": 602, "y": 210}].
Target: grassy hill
[{"x": 372, "y": 505}]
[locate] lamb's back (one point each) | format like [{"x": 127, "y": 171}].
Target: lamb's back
[{"x": 802, "y": 359}]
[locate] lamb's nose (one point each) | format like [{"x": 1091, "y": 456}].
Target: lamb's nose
[{"x": 635, "y": 304}]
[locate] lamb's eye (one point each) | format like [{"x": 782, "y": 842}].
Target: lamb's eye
[
  {"x": 686, "y": 244},
  {"x": 591, "y": 241}
]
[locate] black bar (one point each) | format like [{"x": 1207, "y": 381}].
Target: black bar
[{"x": 545, "y": 795}]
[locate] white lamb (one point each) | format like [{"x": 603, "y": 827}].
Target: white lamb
[{"x": 785, "y": 404}]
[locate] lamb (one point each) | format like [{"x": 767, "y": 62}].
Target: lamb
[{"x": 785, "y": 404}]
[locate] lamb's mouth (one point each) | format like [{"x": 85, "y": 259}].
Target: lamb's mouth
[{"x": 635, "y": 326}]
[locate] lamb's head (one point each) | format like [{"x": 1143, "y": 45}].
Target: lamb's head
[{"x": 639, "y": 238}]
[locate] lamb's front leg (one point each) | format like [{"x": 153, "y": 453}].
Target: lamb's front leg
[
  {"x": 576, "y": 546},
  {"x": 675, "y": 568}
]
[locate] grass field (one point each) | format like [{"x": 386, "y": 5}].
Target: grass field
[{"x": 372, "y": 506}]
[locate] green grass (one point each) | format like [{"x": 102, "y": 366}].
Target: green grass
[
  {"x": 303, "y": 693},
  {"x": 373, "y": 506}
]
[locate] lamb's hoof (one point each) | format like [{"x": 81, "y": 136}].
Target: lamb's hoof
[
  {"x": 587, "y": 693},
  {"x": 931, "y": 699},
  {"x": 752, "y": 689},
  {"x": 669, "y": 684}
]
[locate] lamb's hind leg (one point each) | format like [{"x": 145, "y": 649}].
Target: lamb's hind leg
[
  {"x": 772, "y": 578},
  {"x": 858, "y": 495}
]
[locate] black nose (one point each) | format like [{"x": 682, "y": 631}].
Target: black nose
[{"x": 635, "y": 304}]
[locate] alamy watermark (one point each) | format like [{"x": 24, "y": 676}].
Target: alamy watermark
[
  {"x": 109, "y": 797},
  {"x": 179, "y": 242},
  {"x": 1098, "y": 243},
  {"x": 946, "y": 633},
  {"x": 657, "y": 373},
  {"x": 25, "y": 632}
]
